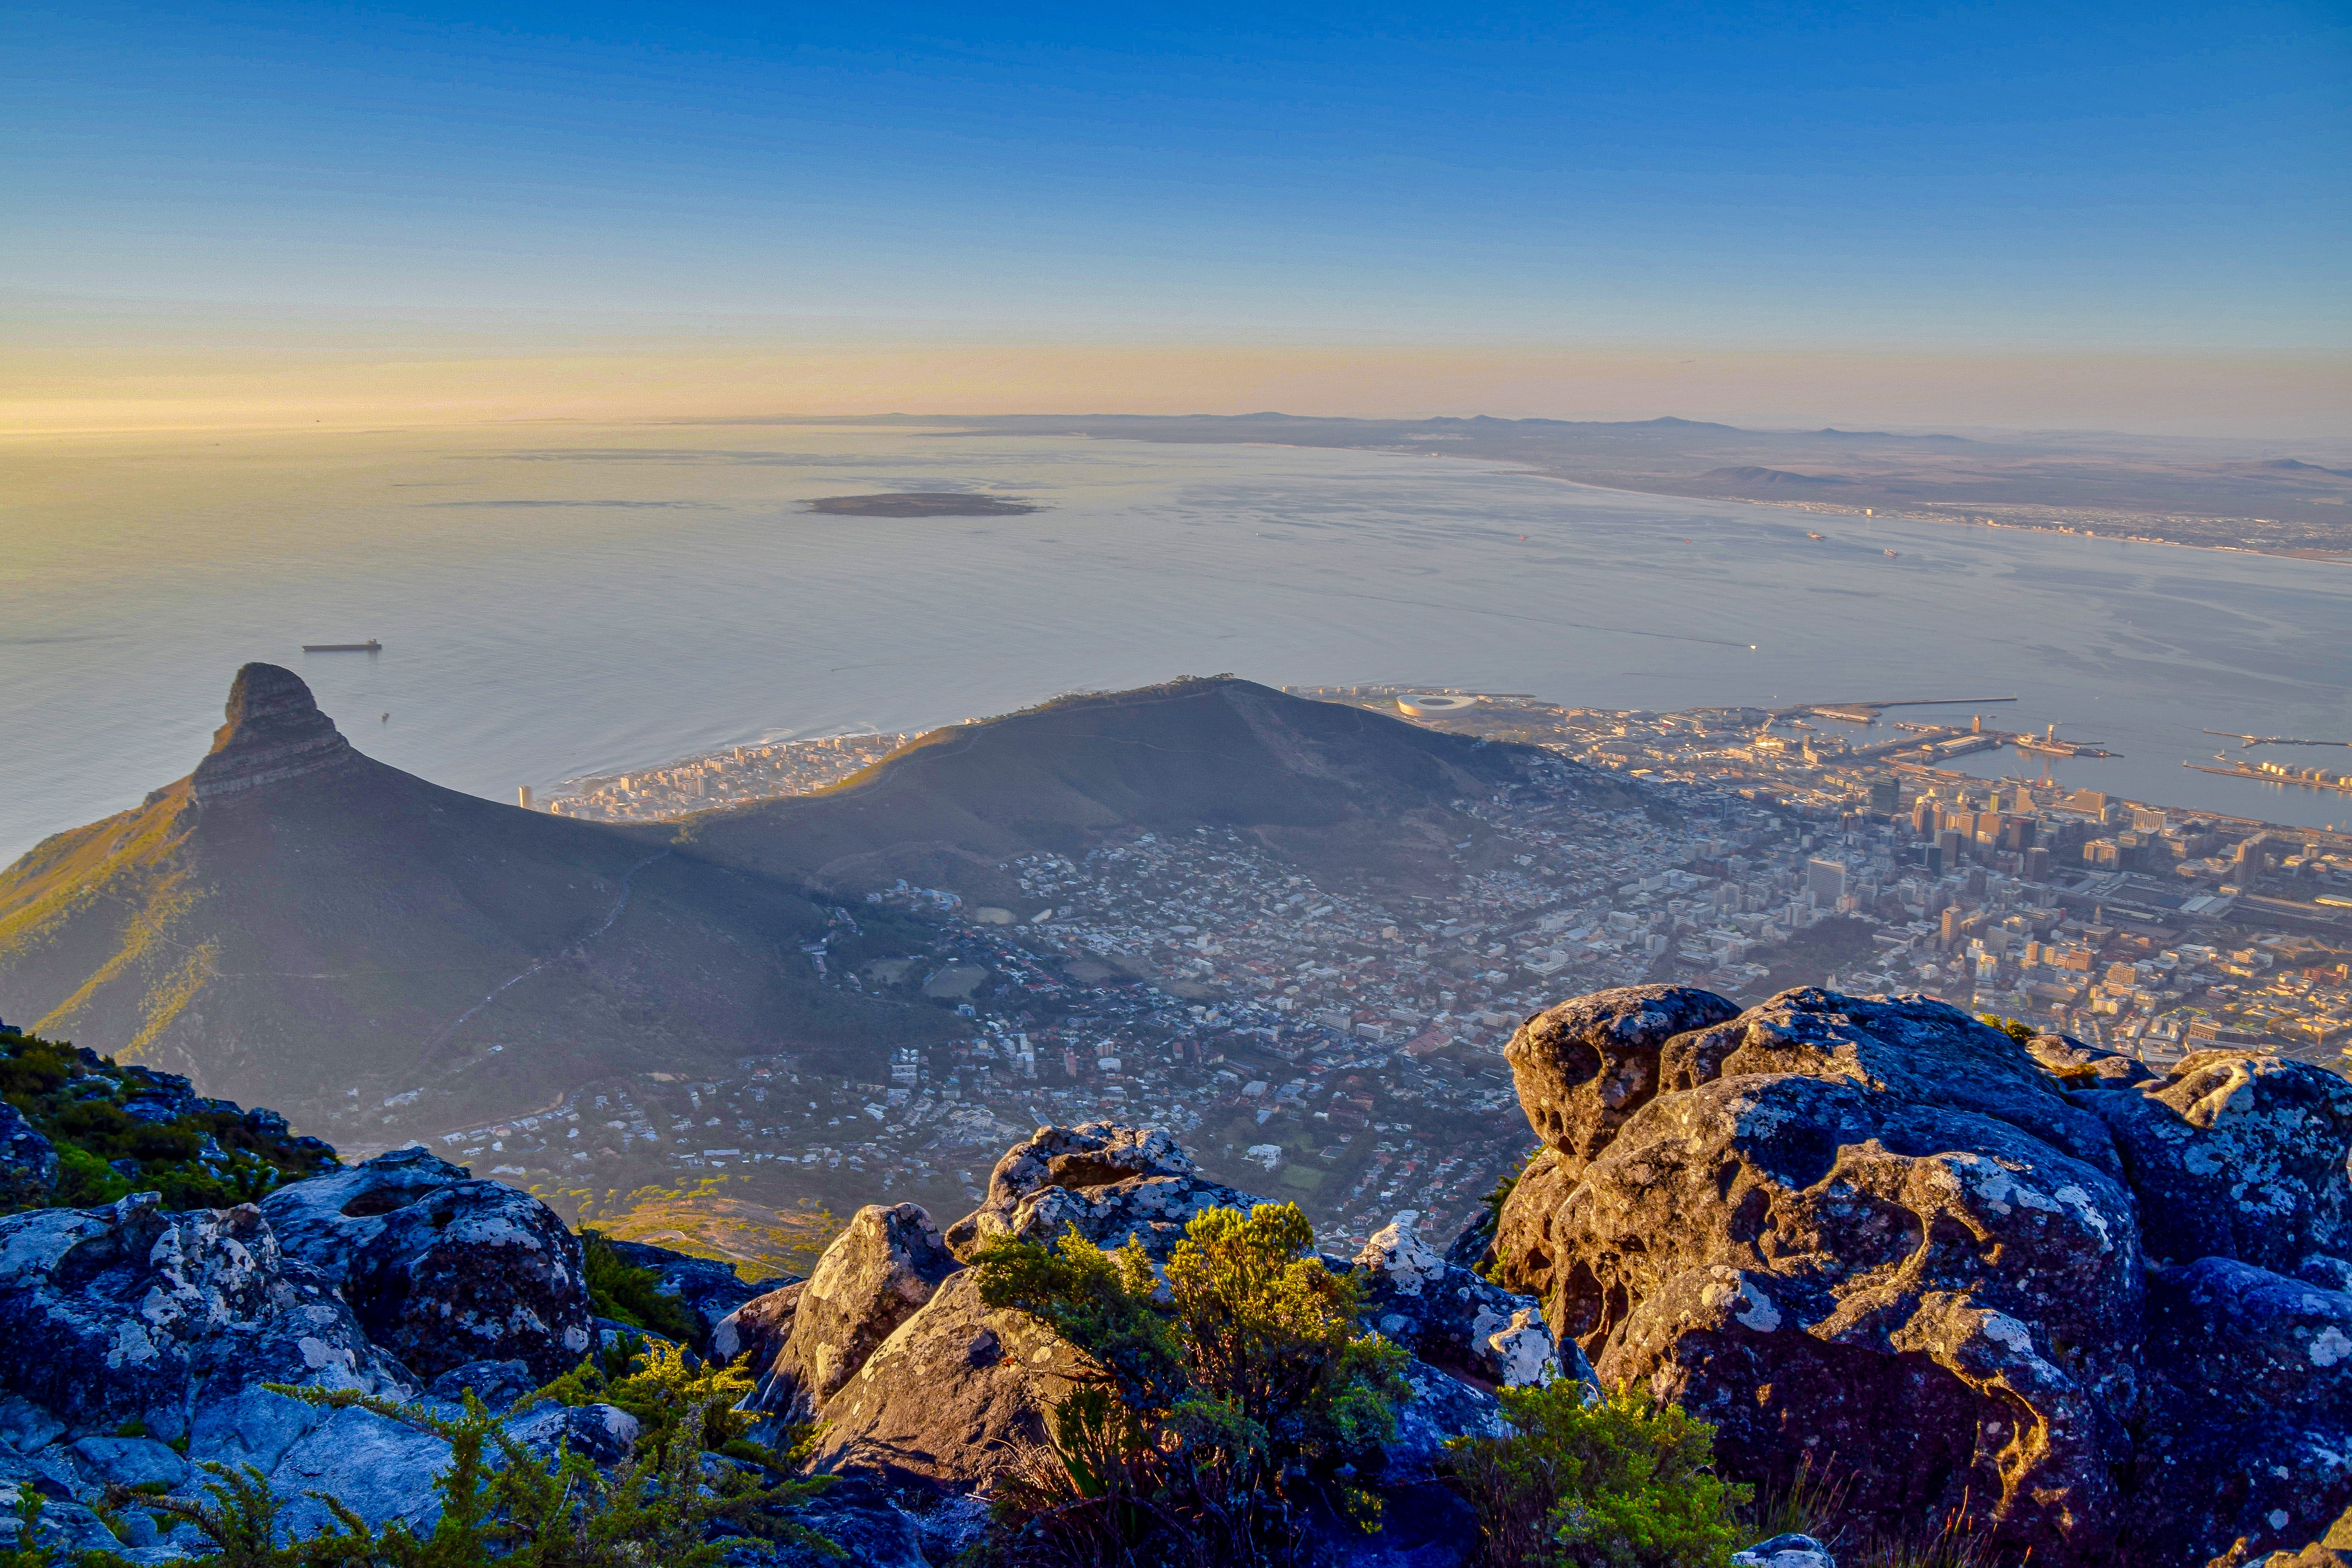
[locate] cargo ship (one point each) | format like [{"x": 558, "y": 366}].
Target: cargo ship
[{"x": 370, "y": 645}]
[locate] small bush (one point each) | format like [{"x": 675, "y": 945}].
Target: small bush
[
  {"x": 630, "y": 1295},
  {"x": 1221, "y": 1416},
  {"x": 1617, "y": 1483}
]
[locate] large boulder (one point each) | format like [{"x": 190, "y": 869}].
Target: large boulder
[
  {"x": 2237, "y": 1154},
  {"x": 441, "y": 1268},
  {"x": 1521, "y": 1252},
  {"x": 952, "y": 1394},
  {"x": 758, "y": 1329},
  {"x": 143, "y": 1316},
  {"x": 871, "y": 1279},
  {"x": 1819, "y": 1268},
  {"x": 1585, "y": 1065},
  {"x": 1112, "y": 1183}
]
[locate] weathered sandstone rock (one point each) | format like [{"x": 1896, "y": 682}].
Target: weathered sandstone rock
[
  {"x": 442, "y": 1270},
  {"x": 1521, "y": 1251},
  {"x": 709, "y": 1290},
  {"x": 140, "y": 1315},
  {"x": 28, "y": 1161},
  {"x": 1454, "y": 1320},
  {"x": 2237, "y": 1154},
  {"x": 274, "y": 732},
  {"x": 871, "y": 1279},
  {"x": 1585, "y": 1065},
  {"x": 758, "y": 1329},
  {"x": 1111, "y": 1182},
  {"x": 946, "y": 1399}
]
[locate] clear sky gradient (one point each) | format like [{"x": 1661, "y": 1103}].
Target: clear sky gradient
[{"x": 2132, "y": 214}]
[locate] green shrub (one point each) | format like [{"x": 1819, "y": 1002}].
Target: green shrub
[
  {"x": 1216, "y": 1419},
  {"x": 1617, "y": 1483},
  {"x": 630, "y": 1295}
]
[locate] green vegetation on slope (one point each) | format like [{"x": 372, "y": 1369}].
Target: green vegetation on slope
[
  {"x": 1220, "y": 1418},
  {"x": 120, "y": 1129}
]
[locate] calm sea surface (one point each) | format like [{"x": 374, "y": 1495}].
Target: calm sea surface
[{"x": 556, "y": 600}]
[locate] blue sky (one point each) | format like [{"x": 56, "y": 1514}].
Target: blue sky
[{"x": 1882, "y": 178}]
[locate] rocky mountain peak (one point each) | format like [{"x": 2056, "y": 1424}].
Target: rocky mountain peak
[{"x": 275, "y": 732}]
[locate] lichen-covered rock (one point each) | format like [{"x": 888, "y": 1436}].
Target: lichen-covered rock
[
  {"x": 2076, "y": 1065},
  {"x": 140, "y": 1315},
  {"x": 1921, "y": 1050},
  {"x": 28, "y": 1161},
  {"x": 871, "y": 1279},
  {"x": 2249, "y": 1431},
  {"x": 1450, "y": 1316},
  {"x": 496, "y": 1383},
  {"x": 1789, "y": 1550},
  {"x": 1818, "y": 1267},
  {"x": 1441, "y": 1408},
  {"x": 1111, "y": 1182},
  {"x": 1585, "y": 1065},
  {"x": 949, "y": 1396},
  {"x": 2238, "y": 1155},
  {"x": 442, "y": 1270}
]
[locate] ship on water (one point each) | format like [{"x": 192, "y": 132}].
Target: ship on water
[{"x": 370, "y": 645}]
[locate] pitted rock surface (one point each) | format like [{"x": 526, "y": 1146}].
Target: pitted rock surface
[
  {"x": 275, "y": 732},
  {"x": 1920, "y": 1049},
  {"x": 871, "y": 1279},
  {"x": 1522, "y": 1250},
  {"x": 1805, "y": 1261},
  {"x": 1450, "y": 1318},
  {"x": 2238, "y": 1155},
  {"x": 2076, "y": 1065},
  {"x": 950, "y": 1395},
  {"x": 1111, "y": 1182},
  {"x": 140, "y": 1315},
  {"x": 442, "y": 1270},
  {"x": 2250, "y": 1402},
  {"x": 1585, "y": 1065}
]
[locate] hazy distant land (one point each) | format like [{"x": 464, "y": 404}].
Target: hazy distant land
[
  {"x": 2280, "y": 499},
  {"x": 921, "y": 504}
]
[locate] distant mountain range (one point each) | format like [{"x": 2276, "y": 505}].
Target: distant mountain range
[
  {"x": 294, "y": 920},
  {"x": 2205, "y": 493}
]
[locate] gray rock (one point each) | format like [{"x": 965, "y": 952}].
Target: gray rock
[
  {"x": 28, "y": 1161},
  {"x": 758, "y": 1329},
  {"x": 871, "y": 1279},
  {"x": 1441, "y": 1408},
  {"x": 604, "y": 1433},
  {"x": 148, "y": 1316},
  {"x": 130, "y": 1462},
  {"x": 1785, "y": 1552},
  {"x": 381, "y": 1468},
  {"x": 1585, "y": 1065},
  {"x": 497, "y": 1384},
  {"x": 442, "y": 1270},
  {"x": 1450, "y": 1316},
  {"x": 2076, "y": 1065},
  {"x": 1111, "y": 1182},
  {"x": 2238, "y": 1155},
  {"x": 947, "y": 1398}
]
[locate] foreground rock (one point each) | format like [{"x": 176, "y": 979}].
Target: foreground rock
[
  {"x": 710, "y": 1292},
  {"x": 442, "y": 1270},
  {"x": 1112, "y": 1183},
  {"x": 871, "y": 1279},
  {"x": 1879, "y": 1232}
]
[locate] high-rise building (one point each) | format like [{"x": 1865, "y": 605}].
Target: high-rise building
[
  {"x": 523, "y": 796},
  {"x": 2037, "y": 865},
  {"x": 1825, "y": 879}
]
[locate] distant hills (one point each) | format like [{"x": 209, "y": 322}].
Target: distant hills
[{"x": 294, "y": 921}]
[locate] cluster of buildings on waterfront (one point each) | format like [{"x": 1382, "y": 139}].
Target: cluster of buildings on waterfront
[
  {"x": 744, "y": 773},
  {"x": 1319, "y": 1038}
]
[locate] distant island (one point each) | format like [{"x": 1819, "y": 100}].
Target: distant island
[{"x": 921, "y": 504}]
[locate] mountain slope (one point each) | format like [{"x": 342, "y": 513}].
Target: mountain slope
[
  {"x": 294, "y": 920},
  {"x": 1337, "y": 788}
]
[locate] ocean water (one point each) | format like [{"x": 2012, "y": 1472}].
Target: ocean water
[{"x": 559, "y": 599}]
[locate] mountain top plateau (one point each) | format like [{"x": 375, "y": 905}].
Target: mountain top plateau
[
  {"x": 2054, "y": 1305},
  {"x": 296, "y": 920}
]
